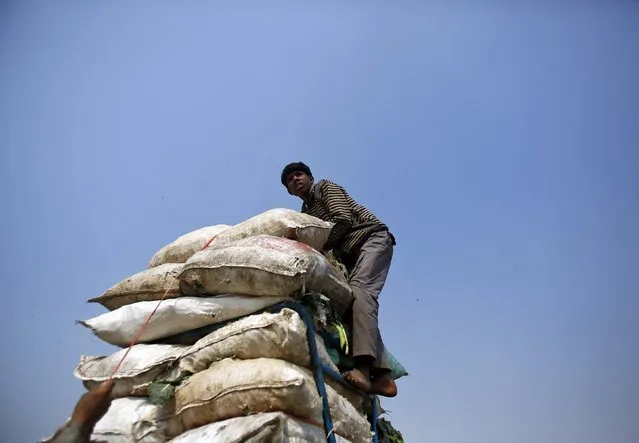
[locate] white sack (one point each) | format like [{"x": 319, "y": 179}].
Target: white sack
[
  {"x": 280, "y": 222},
  {"x": 264, "y": 265},
  {"x": 143, "y": 364},
  {"x": 186, "y": 245},
  {"x": 266, "y": 427},
  {"x": 173, "y": 316},
  {"x": 133, "y": 420},
  {"x": 281, "y": 335},
  {"x": 150, "y": 284},
  {"x": 235, "y": 388}
]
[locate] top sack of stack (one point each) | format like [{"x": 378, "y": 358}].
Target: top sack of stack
[
  {"x": 281, "y": 223},
  {"x": 276, "y": 222},
  {"x": 179, "y": 250}
]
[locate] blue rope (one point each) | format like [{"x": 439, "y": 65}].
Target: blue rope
[
  {"x": 375, "y": 418},
  {"x": 318, "y": 373},
  {"x": 319, "y": 369}
]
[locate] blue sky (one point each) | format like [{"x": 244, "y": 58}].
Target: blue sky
[{"x": 498, "y": 140}]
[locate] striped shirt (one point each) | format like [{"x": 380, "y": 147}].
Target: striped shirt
[{"x": 353, "y": 222}]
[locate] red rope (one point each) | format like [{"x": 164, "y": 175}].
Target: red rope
[
  {"x": 137, "y": 336},
  {"x": 208, "y": 243},
  {"x": 143, "y": 327}
]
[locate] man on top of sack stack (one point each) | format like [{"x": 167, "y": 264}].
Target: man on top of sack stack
[{"x": 365, "y": 246}]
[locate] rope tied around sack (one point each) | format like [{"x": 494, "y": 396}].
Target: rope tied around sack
[{"x": 148, "y": 319}]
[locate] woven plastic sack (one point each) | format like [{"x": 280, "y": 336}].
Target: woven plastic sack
[
  {"x": 150, "y": 284},
  {"x": 235, "y": 388},
  {"x": 179, "y": 250},
  {"x": 265, "y": 265},
  {"x": 266, "y": 427},
  {"x": 281, "y": 223},
  {"x": 143, "y": 364},
  {"x": 172, "y": 317},
  {"x": 281, "y": 336}
]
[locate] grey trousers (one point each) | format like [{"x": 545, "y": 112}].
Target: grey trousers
[{"x": 367, "y": 280}]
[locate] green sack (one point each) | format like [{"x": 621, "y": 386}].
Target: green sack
[{"x": 397, "y": 369}]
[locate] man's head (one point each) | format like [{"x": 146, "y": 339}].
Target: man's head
[{"x": 298, "y": 179}]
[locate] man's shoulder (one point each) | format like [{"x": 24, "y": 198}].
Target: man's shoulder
[
  {"x": 327, "y": 181},
  {"x": 327, "y": 185}
]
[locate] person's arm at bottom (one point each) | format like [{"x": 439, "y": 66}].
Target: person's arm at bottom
[
  {"x": 88, "y": 411},
  {"x": 71, "y": 432}
]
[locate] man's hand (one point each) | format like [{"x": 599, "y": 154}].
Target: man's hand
[{"x": 93, "y": 405}]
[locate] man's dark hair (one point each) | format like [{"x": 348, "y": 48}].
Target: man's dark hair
[{"x": 295, "y": 167}]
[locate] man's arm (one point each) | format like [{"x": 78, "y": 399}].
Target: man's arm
[
  {"x": 70, "y": 432},
  {"x": 88, "y": 411},
  {"x": 337, "y": 206}
]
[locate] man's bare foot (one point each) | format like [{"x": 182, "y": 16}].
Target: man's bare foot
[
  {"x": 358, "y": 379},
  {"x": 383, "y": 385}
]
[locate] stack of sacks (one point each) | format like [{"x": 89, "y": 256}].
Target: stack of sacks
[{"x": 248, "y": 378}]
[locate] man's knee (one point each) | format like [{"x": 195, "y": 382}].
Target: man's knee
[{"x": 364, "y": 296}]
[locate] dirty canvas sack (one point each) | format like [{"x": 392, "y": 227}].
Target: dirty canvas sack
[
  {"x": 150, "y": 284},
  {"x": 134, "y": 420},
  {"x": 281, "y": 222},
  {"x": 266, "y": 427},
  {"x": 281, "y": 335},
  {"x": 236, "y": 388},
  {"x": 172, "y": 317},
  {"x": 179, "y": 250},
  {"x": 142, "y": 365},
  {"x": 265, "y": 265}
]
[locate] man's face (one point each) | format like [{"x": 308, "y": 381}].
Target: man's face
[{"x": 298, "y": 183}]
